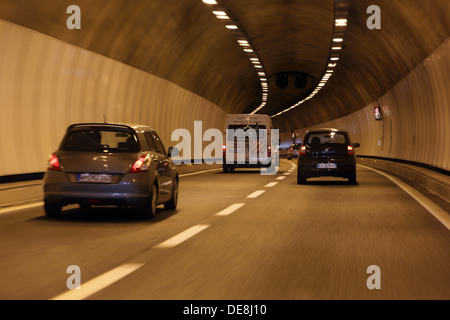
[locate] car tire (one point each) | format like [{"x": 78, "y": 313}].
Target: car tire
[
  {"x": 300, "y": 179},
  {"x": 352, "y": 177},
  {"x": 231, "y": 169},
  {"x": 52, "y": 210},
  {"x": 289, "y": 158},
  {"x": 149, "y": 210},
  {"x": 225, "y": 169},
  {"x": 172, "y": 203}
]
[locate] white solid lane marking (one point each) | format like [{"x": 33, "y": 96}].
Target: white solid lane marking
[
  {"x": 293, "y": 166},
  {"x": 256, "y": 194},
  {"x": 198, "y": 172},
  {"x": 230, "y": 209},
  {"x": 92, "y": 286},
  {"x": 270, "y": 184},
  {"x": 21, "y": 207},
  {"x": 281, "y": 177},
  {"x": 181, "y": 237},
  {"x": 428, "y": 204}
]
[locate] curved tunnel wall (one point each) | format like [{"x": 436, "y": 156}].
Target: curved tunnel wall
[
  {"x": 416, "y": 116},
  {"x": 47, "y": 84}
]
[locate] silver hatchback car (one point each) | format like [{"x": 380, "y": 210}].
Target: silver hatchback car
[{"x": 110, "y": 164}]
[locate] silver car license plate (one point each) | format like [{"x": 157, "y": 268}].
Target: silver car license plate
[
  {"x": 326, "y": 166},
  {"x": 91, "y": 177}
]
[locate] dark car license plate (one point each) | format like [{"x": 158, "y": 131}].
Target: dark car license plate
[{"x": 326, "y": 166}]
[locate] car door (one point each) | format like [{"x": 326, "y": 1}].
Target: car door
[{"x": 162, "y": 163}]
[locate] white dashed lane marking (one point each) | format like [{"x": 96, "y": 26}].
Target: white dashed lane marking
[
  {"x": 92, "y": 286},
  {"x": 256, "y": 194},
  {"x": 181, "y": 237},
  {"x": 270, "y": 184},
  {"x": 230, "y": 209}
]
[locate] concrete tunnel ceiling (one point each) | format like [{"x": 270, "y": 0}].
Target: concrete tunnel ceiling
[{"x": 183, "y": 42}]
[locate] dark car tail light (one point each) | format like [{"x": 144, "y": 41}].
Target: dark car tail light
[
  {"x": 224, "y": 148},
  {"x": 303, "y": 150},
  {"x": 53, "y": 163},
  {"x": 140, "y": 165},
  {"x": 350, "y": 150}
]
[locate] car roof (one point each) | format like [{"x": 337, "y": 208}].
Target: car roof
[
  {"x": 325, "y": 129},
  {"x": 135, "y": 127}
]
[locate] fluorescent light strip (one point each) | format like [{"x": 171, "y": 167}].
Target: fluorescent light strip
[
  {"x": 338, "y": 23},
  {"x": 222, "y": 14}
]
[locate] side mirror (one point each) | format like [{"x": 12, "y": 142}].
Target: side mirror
[
  {"x": 173, "y": 152},
  {"x": 356, "y": 145}
]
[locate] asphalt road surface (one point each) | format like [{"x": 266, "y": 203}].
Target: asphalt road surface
[{"x": 236, "y": 236}]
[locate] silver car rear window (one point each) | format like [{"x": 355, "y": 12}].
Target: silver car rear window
[{"x": 100, "y": 141}]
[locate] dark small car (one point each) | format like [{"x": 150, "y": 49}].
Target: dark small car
[
  {"x": 326, "y": 152},
  {"x": 110, "y": 164},
  {"x": 293, "y": 150}
]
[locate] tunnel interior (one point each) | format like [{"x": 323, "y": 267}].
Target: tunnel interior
[
  {"x": 169, "y": 63},
  {"x": 359, "y": 215}
]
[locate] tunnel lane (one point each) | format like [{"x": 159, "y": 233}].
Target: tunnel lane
[{"x": 236, "y": 236}]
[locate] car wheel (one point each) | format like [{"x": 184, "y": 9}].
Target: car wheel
[
  {"x": 172, "y": 203},
  {"x": 52, "y": 209},
  {"x": 352, "y": 177},
  {"x": 149, "y": 210},
  {"x": 231, "y": 169},
  {"x": 225, "y": 169},
  {"x": 300, "y": 179},
  {"x": 289, "y": 158}
]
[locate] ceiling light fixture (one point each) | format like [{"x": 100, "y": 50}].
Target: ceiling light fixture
[
  {"x": 340, "y": 22},
  {"x": 221, "y": 13}
]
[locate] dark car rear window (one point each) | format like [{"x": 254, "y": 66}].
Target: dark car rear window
[
  {"x": 326, "y": 138},
  {"x": 100, "y": 141}
]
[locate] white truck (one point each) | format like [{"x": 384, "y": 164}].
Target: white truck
[{"x": 247, "y": 142}]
